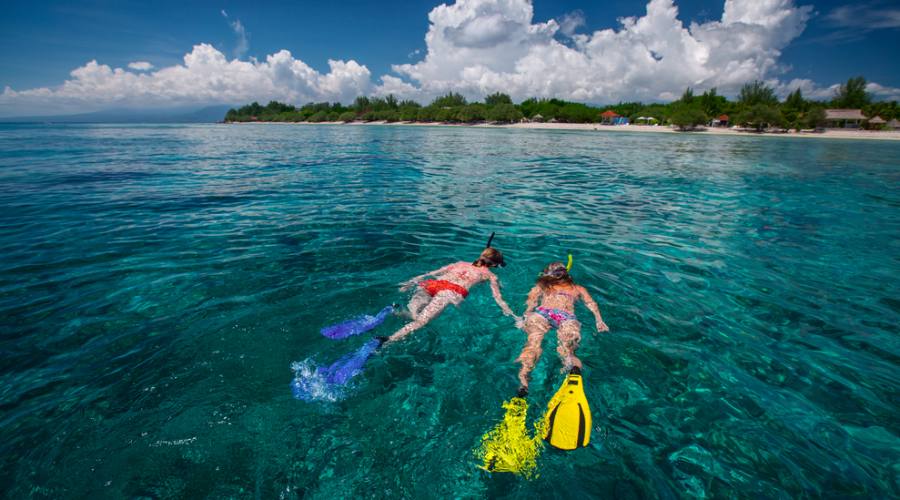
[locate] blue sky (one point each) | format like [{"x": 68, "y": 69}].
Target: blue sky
[{"x": 44, "y": 41}]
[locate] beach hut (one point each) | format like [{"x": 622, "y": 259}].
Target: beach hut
[
  {"x": 608, "y": 117},
  {"x": 844, "y": 118},
  {"x": 894, "y": 124},
  {"x": 720, "y": 121},
  {"x": 537, "y": 118},
  {"x": 877, "y": 122}
]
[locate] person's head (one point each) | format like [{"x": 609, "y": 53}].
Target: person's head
[
  {"x": 490, "y": 257},
  {"x": 554, "y": 274}
]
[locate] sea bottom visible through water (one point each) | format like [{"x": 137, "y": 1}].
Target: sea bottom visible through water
[{"x": 158, "y": 282}]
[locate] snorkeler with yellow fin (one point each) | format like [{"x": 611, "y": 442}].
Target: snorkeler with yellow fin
[{"x": 567, "y": 423}]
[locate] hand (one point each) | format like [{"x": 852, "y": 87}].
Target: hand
[
  {"x": 601, "y": 326},
  {"x": 520, "y": 322}
]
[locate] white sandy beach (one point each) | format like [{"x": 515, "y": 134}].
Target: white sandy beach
[{"x": 826, "y": 134}]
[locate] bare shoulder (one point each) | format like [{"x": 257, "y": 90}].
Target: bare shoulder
[{"x": 583, "y": 291}]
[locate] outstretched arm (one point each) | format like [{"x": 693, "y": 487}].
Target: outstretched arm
[
  {"x": 495, "y": 290},
  {"x": 532, "y": 301},
  {"x": 594, "y": 308}
]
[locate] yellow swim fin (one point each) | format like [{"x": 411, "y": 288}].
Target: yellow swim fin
[
  {"x": 567, "y": 424},
  {"x": 509, "y": 447}
]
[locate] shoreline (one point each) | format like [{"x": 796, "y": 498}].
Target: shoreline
[{"x": 591, "y": 127}]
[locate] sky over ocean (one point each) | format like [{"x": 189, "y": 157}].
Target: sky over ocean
[{"x": 84, "y": 56}]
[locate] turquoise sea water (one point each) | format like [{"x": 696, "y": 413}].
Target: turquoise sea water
[{"x": 157, "y": 282}]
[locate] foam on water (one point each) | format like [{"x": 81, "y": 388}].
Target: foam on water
[{"x": 310, "y": 383}]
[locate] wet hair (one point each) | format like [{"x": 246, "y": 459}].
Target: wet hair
[
  {"x": 490, "y": 257},
  {"x": 554, "y": 274}
]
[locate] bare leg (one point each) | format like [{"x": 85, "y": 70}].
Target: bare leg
[
  {"x": 569, "y": 336},
  {"x": 536, "y": 326},
  {"x": 419, "y": 300},
  {"x": 428, "y": 313}
]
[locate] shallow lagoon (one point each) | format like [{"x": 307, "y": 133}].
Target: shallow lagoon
[{"x": 157, "y": 282}]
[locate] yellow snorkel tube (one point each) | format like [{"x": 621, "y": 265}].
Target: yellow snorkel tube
[{"x": 569, "y": 264}]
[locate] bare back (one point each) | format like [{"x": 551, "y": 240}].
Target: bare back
[
  {"x": 464, "y": 274},
  {"x": 561, "y": 297}
]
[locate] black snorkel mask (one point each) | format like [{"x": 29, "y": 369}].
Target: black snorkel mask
[{"x": 494, "y": 263}]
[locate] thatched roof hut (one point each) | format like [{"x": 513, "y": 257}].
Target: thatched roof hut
[
  {"x": 846, "y": 118},
  {"x": 894, "y": 124},
  {"x": 844, "y": 114},
  {"x": 877, "y": 121}
]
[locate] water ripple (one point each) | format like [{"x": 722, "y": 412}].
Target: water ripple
[{"x": 157, "y": 281}]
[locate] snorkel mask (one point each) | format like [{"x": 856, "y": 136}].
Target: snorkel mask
[
  {"x": 557, "y": 269},
  {"x": 494, "y": 257}
]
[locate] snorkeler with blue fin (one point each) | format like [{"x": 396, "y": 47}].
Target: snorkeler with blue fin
[{"x": 449, "y": 285}]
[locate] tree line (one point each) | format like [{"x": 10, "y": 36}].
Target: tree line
[{"x": 756, "y": 106}]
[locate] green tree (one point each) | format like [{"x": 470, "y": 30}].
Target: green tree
[
  {"x": 446, "y": 114},
  {"x": 852, "y": 94},
  {"x": 794, "y": 110},
  {"x": 688, "y": 96},
  {"x": 427, "y": 114},
  {"x": 755, "y": 93},
  {"x": 576, "y": 113},
  {"x": 796, "y": 101},
  {"x": 760, "y": 116},
  {"x": 504, "y": 113},
  {"x": 497, "y": 98},
  {"x": 711, "y": 103},
  {"x": 409, "y": 113},
  {"x": 347, "y": 116},
  {"x": 472, "y": 113},
  {"x": 450, "y": 100},
  {"x": 361, "y": 104},
  {"x": 814, "y": 118},
  {"x": 687, "y": 117},
  {"x": 318, "y": 116}
]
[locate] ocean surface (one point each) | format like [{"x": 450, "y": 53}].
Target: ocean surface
[{"x": 157, "y": 282}]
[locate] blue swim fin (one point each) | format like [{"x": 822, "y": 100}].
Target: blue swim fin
[
  {"x": 341, "y": 371},
  {"x": 355, "y": 326}
]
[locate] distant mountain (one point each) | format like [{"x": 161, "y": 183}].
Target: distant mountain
[{"x": 208, "y": 114}]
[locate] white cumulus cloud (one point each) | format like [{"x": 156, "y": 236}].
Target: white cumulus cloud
[
  {"x": 140, "y": 66},
  {"x": 482, "y": 46},
  {"x": 205, "y": 77}
]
